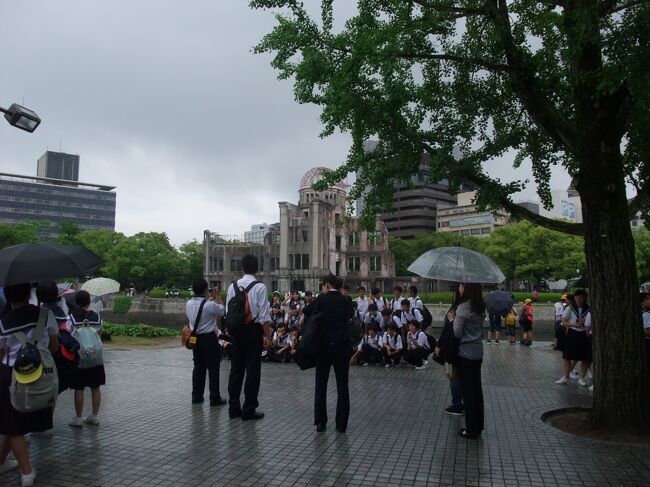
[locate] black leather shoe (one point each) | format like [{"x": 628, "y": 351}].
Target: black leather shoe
[
  {"x": 320, "y": 427},
  {"x": 251, "y": 417},
  {"x": 234, "y": 414},
  {"x": 197, "y": 401},
  {"x": 217, "y": 402},
  {"x": 341, "y": 429}
]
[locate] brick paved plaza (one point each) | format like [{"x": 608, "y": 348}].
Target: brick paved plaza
[{"x": 398, "y": 435}]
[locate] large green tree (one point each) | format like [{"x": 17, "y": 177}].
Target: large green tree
[
  {"x": 19, "y": 233},
  {"x": 559, "y": 83}
]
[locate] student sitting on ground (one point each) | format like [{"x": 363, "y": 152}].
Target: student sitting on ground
[
  {"x": 294, "y": 338},
  {"x": 417, "y": 346},
  {"x": 369, "y": 349},
  {"x": 277, "y": 313},
  {"x": 372, "y": 317},
  {"x": 294, "y": 311},
  {"x": 404, "y": 316},
  {"x": 391, "y": 344},
  {"x": 281, "y": 345}
]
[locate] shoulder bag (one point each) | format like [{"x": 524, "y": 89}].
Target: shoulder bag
[{"x": 188, "y": 336}]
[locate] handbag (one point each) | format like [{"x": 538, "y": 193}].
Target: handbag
[
  {"x": 450, "y": 371},
  {"x": 188, "y": 335}
]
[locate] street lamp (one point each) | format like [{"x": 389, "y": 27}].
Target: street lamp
[{"x": 21, "y": 117}]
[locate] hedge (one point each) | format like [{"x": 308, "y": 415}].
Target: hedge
[
  {"x": 160, "y": 292},
  {"x": 143, "y": 331},
  {"x": 122, "y": 304}
]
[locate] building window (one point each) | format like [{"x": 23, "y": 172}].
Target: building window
[
  {"x": 374, "y": 238},
  {"x": 375, "y": 263},
  {"x": 338, "y": 243},
  {"x": 235, "y": 264},
  {"x": 261, "y": 263},
  {"x": 305, "y": 237},
  {"x": 353, "y": 239},
  {"x": 338, "y": 267},
  {"x": 353, "y": 264},
  {"x": 299, "y": 262}
]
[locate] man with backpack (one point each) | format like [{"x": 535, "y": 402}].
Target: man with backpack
[{"x": 248, "y": 320}]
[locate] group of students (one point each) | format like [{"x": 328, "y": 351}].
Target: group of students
[
  {"x": 32, "y": 335},
  {"x": 392, "y": 329}
]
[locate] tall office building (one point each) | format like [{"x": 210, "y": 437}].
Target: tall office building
[{"x": 58, "y": 165}]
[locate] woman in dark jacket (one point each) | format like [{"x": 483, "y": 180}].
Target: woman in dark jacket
[
  {"x": 333, "y": 350},
  {"x": 447, "y": 352}
]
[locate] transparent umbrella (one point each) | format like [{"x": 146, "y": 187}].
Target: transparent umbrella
[
  {"x": 457, "y": 264},
  {"x": 101, "y": 286}
]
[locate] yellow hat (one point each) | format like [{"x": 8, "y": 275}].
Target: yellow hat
[
  {"x": 564, "y": 296},
  {"x": 27, "y": 375},
  {"x": 528, "y": 301}
]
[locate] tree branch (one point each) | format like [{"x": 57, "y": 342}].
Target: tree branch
[
  {"x": 539, "y": 108},
  {"x": 458, "y": 11},
  {"x": 609, "y": 7},
  {"x": 450, "y": 57}
]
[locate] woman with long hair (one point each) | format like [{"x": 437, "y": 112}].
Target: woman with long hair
[
  {"x": 468, "y": 327},
  {"x": 333, "y": 351}
]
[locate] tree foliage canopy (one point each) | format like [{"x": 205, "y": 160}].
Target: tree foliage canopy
[{"x": 466, "y": 81}]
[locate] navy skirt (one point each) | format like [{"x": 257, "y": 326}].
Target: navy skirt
[
  {"x": 93, "y": 377},
  {"x": 576, "y": 346},
  {"x": 13, "y": 423}
]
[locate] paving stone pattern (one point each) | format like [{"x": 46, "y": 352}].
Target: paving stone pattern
[{"x": 150, "y": 434}]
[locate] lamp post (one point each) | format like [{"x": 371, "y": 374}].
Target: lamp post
[{"x": 21, "y": 117}]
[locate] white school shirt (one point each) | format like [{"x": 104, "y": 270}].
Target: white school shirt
[
  {"x": 10, "y": 344},
  {"x": 258, "y": 299},
  {"x": 394, "y": 342},
  {"x": 368, "y": 318},
  {"x": 362, "y": 305},
  {"x": 293, "y": 320},
  {"x": 646, "y": 321},
  {"x": 404, "y": 318},
  {"x": 396, "y": 304},
  {"x": 282, "y": 341},
  {"x": 559, "y": 310},
  {"x": 381, "y": 303},
  {"x": 373, "y": 342},
  {"x": 418, "y": 336},
  {"x": 208, "y": 322},
  {"x": 571, "y": 316},
  {"x": 416, "y": 302}
]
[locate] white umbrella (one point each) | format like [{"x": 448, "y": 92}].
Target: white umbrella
[
  {"x": 457, "y": 264},
  {"x": 100, "y": 286}
]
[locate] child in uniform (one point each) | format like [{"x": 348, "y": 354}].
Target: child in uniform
[
  {"x": 380, "y": 301},
  {"x": 362, "y": 302},
  {"x": 417, "y": 349},
  {"x": 281, "y": 345},
  {"x": 511, "y": 323},
  {"x": 294, "y": 311},
  {"x": 372, "y": 317},
  {"x": 391, "y": 343},
  {"x": 396, "y": 303},
  {"x": 369, "y": 349}
]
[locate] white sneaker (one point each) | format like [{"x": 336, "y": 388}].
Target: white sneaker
[
  {"x": 562, "y": 380},
  {"x": 366, "y": 364},
  {"x": 582, "y": 382},
  {"x": 8, "y": 465},
  {"x": 425, "y": 362},
  {"x": 92, "y": 419},
  {"x": 591, "y": 388},
  {"x": 574, "y": 376},
  {"x": 27, "y": 480},
  {"x": 421, "y": 367},
  {"x": 77, "y": 422},
  {"x": 589, "y": 376},
  {"x": 387, "y": 366}
]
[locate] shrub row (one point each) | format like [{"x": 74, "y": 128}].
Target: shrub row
[
  {"x": 143, "y": 331},
  {"x": 122, "y": 304}
]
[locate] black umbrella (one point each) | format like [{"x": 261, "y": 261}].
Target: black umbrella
[
  {"x": 34, "y": 262},
  {"x": 499, "y": 302},
  {"x": 581, "y": 282}
]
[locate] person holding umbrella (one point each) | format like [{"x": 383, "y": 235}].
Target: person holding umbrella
[{"x": 468, "y": 322}]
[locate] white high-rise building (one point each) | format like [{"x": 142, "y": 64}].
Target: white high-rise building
[{"x": 257, "y": 233}]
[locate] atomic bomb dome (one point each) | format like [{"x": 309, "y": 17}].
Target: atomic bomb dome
[{"x": 314, "y": 174}]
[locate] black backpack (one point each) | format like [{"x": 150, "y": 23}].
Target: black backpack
[
  {"x": 427, "y": 319},
  {"x": 433, "y": 343},
  {"x": 239, "y": 316}
]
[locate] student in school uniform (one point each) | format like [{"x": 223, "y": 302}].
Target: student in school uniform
[
  {"x": 294, "y": 311},
  {"x": 294, "y": 338},
  {"x": 20, "y": 316},
  {"x": 281, "y": 345},
  {"x": 560, "y": 306},
  {"x": 380, "y": 301},
  {"x": 391, "y": 344},
  {"x": 362, "y": 302},
  {"x": 369, "y": 349},
  {"x": 396, "y": 302},
  {"x": 577, "y": 318},
  {"x": 277, "y": 311},
  {"x": 414, "y": 299},
  {"x": 417, "y": 346},
  {"x": 645, "y": 308},
  {"x": 372, "y": 317},
  {"x": 407, "y": 314},
  {"x": 386, "y": 321}
]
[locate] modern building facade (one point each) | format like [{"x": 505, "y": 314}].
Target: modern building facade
[
  {"x": 89, "y": 206},
  {"x": 566, "y": 206},
  {"x": 466, "y": 219},
  {"x": 312, "y": 239},
  {"x": 257, "y": 233},
  {"x": 58, "y": 165}
]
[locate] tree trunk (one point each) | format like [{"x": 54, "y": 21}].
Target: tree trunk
[{"x": 621, "y": 400}]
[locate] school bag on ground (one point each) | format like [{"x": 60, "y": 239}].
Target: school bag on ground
[
  {"x": 239, "y": 317},
  {"x": 91, "y": 349},
  {"x": 42, "y": 392}
]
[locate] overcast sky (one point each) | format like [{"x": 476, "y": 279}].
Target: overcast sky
[{"x": 165, "y": 100}]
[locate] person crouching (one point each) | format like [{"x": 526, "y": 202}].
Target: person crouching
[
  {"x": 281, "y": 345},
  {"x": 392, "y": 346},
  {"x": 417, "y": 349},
  {"x": 369, "y": 350}
]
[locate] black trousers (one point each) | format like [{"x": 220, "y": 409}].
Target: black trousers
[
  {"x": 369, "y": 354},
  {"x": 245, "y": 361},
  {"x": 647, "y": 351},
  {"x": 207, "y": 356},
  {"x": 395, "y": 358},
  {"x": 416, "y": 356},
  {"x": 469, "y": 376},
  {"x": 339, "y": 357}
]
